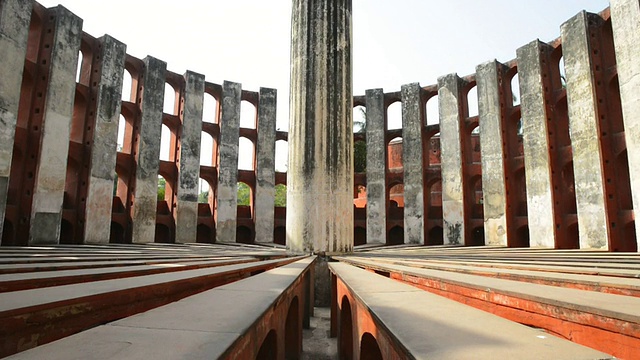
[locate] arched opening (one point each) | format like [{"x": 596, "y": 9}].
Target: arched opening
[
  {"x": 396, "y": 196},
  {"x": 122, "y": 126},
  {"x": 269, "y": 347},
  {"x": 515, "y": 90},
  {"x": 246, "y": 154},
  {"x": 293, "y": 332},
  {"x": 477, "y": 238},
  {"x": 281, "y": 195},
  {"x": 280, "y": 235},
  {"x": 522, "y": 237},
  {"x": 247, "y": 115},
  {"x": 360, "y": 197},
  {"x": 209, "y": 109},
  {"x": 163, "y": 234},
  {"x": 369, "y": 349},
  {"x": 282, "y": 156},
  {"x": 563, "y": 73},
  {"x": 116, "y": 235},
  {"x": 345, "y": 338},
  {"x": 433, "y": 111},
  {"x": 127, "y": 86},
  {"x": 204, "y": 234},
  {"x": 394, "y": 154},
  {"x": 162, "y": 188},
  {"x": 359, "y": 119},
  {"x": 394, "y": 116},
  {"x": 205, "y": 195},
  {"x": 7, "y": 234},
  {"x": 170, "y": 100},
  {"x": 568, "y": 189},
  {"x": 478, "y": 200},
  {"x": 435, "y": 236},
  {"x": 572, "y": 238},
  {"x": 244, "y": 235},
  {"x": 79, "y": 68},
  {"x": 359, "y": 236},
  {"x": 66, "y": 232},
  {"x": 472, "y": 101},
  {"x": 435, "y": 200},
  {"x": 245, "y": 195},
  {"x": 206, "y": 149},
  {"x": 165, "y": 143},
  {"x": 395, "y": 236}
]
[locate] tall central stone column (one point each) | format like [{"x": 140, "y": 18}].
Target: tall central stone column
[{"x": 320, "y": 171}]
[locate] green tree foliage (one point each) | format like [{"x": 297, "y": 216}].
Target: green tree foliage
[
  {"x": 281, "y": 195},
  {"x": 244, "y": 194},
  {"x": 162, "y": 183},
  {"x": 203, "y": 197}
]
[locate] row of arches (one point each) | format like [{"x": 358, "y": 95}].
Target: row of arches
[{"x": 368, "y": 345}]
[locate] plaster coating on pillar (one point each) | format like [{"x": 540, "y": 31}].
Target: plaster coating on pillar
[
  {"x": 625, "y": 20},
  {"x": 189, "y": 172},
  {"x": 103, "y": 153},
  {"x": 376, "y": 168},
  {"x": 48, "y": 193},
  {"x": 494, "y": 187},
  {"x": 15, "y": 16},
  {"x": 585, "y": 138},
  {"x": 451, "y": 126},
  {"x": 148, "y": 151},
  {"x": 535, "y": 138},
  {"x": 266, "y": 173},
  {"x": 227, "y": 200},
  {"x": 320, "y": 173},
  {"x": 412, "y": 155}
]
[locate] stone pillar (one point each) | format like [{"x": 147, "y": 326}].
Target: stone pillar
[
  {"x": 588, "y": 170},
  {"x": 413, "y": 166},
  {"x": 454, "y": 215},
  {"x": 376, "y": 168},
  {"x": 97, "y": 227},
  {"x": 497, "y": 220},
  {"x": 15, "y": 16},
  {"x": 266, "y": 166},
  {"x": 48, "y": 193},
  {"x": 188, "y": 177},
  {"x": 148, "y": 151},
  {"x": 538, "y": 163},
  {"x": 227, "y": 200},
  {"x": 320, "y": 175},
  {"x": 625, "y": 20}
]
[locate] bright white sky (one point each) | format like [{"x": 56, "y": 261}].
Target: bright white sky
[{"x": 395, "y": 42}]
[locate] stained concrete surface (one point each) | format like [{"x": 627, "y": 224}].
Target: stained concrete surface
[{"x": 316, "y": 343}]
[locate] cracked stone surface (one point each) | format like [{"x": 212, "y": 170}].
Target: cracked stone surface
[{"x": 316, "y": 343}]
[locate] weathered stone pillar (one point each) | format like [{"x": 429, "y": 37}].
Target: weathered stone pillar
[
  {"x": 227, "y": 200},
  {"x": 266, "y": 166},
  {"x": 48, "y": 192},
  {"x": 625, "y": 20},
  {"x": 497, "y": 220},
  {"x": 148, "y": 151},
  {"x": 15, "y": 16},
  {"x": 188, "y": 178},
  {"x": 413, "y": 166},
  {"x": 453, "y": 182},
  {"x": 376, "y": 168},
  {"x": 593, "y": 222},
  {"x": 538, "y": 162},
  {"x": 320, "y": 174},
  {"x": 97, "y": 227}
]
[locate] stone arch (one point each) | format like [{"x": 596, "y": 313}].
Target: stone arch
[
  {"x": 282, "y": 156},
  {"x": 394, "y": 153},
  {"x": 127, "y": 86},
  {"x": 281, "y": 195},
  {"x": 477, "y": 236},
  {"x": 472, "y": 100},
  {"x": 395, "y": 236},
  {"x": 394, "y": 115},
  {"x": 170, "y": 105},
  {"x": 269, "y": 347},
  {"x": 359, "y": 236},
  {"x": 116, "y": 235},
  {"x": 244, "y": 235},
  {"x": 165, "y": 143},
  {"x": 244, "y": 198},
  {"x": 432, "y": 109},
  {"x": 163, "y": 234},
  {"x": 79, "y": 67},
  {"x": 248, "y": 115},
  {"x": 204, "y": 234},
  {"x": 120, "y": 142},
  {"x": 359, "y": 119},
  {"x": 345, "y": 338},
  {"x": 293, "y": 331},
  {"x": 360, "y": 196},
  {"x": 207, "y": 149},
  {"x": 209, "y": 109},
  {"x": 515, "y": 89},
  {"x": 246, "y": 157},
  {"x": 369, "y": 349},
  {"x": 435, "y": 236}
]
